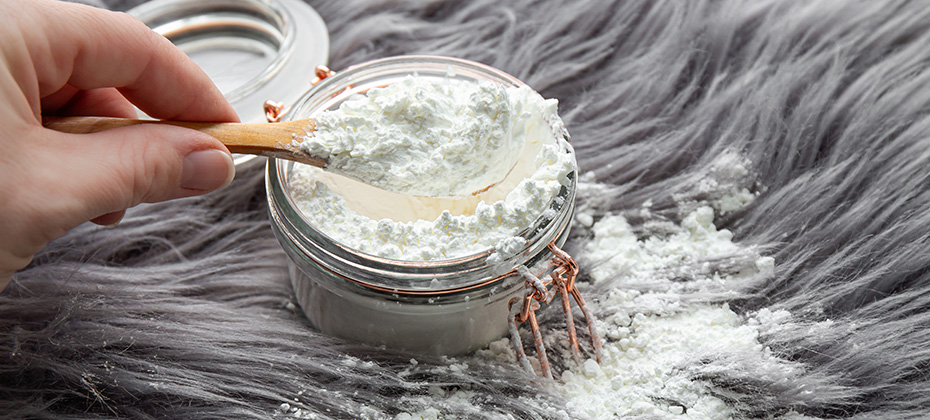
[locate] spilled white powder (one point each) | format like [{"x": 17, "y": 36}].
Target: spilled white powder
[
  {"x": 422, "y": 229},
  {"x": 726, "y": 186},
  {"x": 652, "y": 334},
  {"x": 424, "y": 136}
]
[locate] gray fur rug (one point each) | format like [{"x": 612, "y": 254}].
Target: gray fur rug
[{"x": 185, "y": 309}]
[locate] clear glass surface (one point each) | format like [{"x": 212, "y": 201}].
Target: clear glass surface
[
  {"x": 253, "y": 50},
  {"x": 442, "y": 306}
]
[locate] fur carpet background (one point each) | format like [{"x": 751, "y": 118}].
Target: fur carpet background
[{"x": 185, "y": 310}]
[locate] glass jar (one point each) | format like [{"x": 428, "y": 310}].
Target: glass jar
[
  {"x": 253, "y": 50},
  {"x": 447, "y": 307}
]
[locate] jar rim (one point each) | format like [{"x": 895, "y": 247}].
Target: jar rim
[{"x": 387, "y": 271}]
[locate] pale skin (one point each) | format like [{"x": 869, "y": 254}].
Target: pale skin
[{"x": 60, "y": 59}]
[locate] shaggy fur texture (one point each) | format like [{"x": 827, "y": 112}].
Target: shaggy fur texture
[{"x": 185, "y": 310}]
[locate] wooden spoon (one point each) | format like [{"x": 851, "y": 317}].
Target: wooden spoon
[{"x": 265, "y": 139}]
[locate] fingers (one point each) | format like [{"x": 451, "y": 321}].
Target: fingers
[
  {"x": 96, "y": 102},
  {"x": 99, "y": 175},
  {"x": 55, "y": 181},
  {"x": 66, "y": 47},
  {"x": 72, "y": 59}
]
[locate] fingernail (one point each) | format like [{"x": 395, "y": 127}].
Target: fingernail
[
  {"x": 109, "y": 220},
  {"x": 207, "y": 170}
]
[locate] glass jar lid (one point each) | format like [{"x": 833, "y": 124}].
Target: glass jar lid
[{"x": 253, "y": 50}]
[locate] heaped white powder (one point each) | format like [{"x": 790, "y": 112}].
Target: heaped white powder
[
  {"x": 421, "y": 229},
  {"x": 651, "y": 334},
  {"x": 424, "y": 136}
]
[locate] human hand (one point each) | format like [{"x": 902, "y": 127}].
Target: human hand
[{"x": 67, "y": 59}]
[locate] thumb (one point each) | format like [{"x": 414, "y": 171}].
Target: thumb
[{"x": 107, "y": 172}]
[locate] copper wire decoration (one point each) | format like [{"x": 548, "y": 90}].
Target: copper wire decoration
[
  {"x": 275, "y": 111},
  {"x": 321, "y": 72},
  {"x": 562, "y": 273}
]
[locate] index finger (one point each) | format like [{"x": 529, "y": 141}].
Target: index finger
[{"x": 91, "y": 48}]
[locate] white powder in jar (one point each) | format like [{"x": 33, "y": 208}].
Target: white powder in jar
[{"x": 412, "y": 228}]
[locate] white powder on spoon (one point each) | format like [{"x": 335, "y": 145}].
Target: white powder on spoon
[
  {"x": 423, "y": 136},
  {"x": 481, "y": 128}
]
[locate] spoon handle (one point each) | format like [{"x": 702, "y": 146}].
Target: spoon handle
[{"x": 266, "y": 139}]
